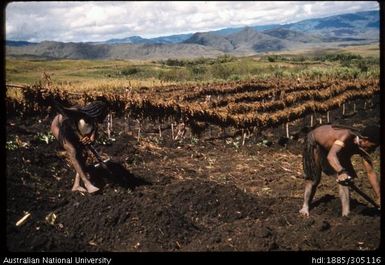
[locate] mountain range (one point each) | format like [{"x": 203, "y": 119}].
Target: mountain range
[{"x": 352, "y": 28}]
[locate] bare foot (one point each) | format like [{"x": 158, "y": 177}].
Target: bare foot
[
  {"x": 91, "y": 188},
  {"x": 346, "y": 213},
  {"x": 304, "y": 212},
  {"x": 79, "y": 188},
  {"x": 378, "y": 202}
]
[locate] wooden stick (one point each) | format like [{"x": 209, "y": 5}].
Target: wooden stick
[
  {"x": 328, "y": 117},
  {"x": 243, "y": 137},
  {"x": 16, "y": 86},
  {"x": 343, "y": 109},
  {"x": 160, "y": 132},
  {"x": 23, "y": 219},
  {"x": 311, "y": 120},
  {"x": 287, "y": 130},
  {"x": 108, "y": 126},
  {"x": 172, "y": 130},
  {"x": 138, "y": 130}
]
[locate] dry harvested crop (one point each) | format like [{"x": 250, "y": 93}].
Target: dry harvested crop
[{"x": 237, "y": 104}]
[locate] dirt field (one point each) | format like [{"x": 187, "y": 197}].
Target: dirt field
[{"x": 207, "y": 194}]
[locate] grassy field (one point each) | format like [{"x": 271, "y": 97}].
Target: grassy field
[{"x": 109, "y": 75}]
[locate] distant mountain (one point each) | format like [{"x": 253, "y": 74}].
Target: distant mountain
[
  {"x": 225, "y": 31},
  {"x": 129, "y": 40},
  {"x": 292, "y": 35},
  {"x": 211, "y": 39},
  {"x": 355, "y": 25},
  {"x": 228, "y": 31},
  {"x": 162, "y": 51},
  {"x": 246, "y": 40},
  {"x": 18, "y": 43},
  {"x": 266, "y": 27},
  {"x": 251, "y": 40},
  {"x": 172, "y": 39},
  {"x": 374, "y": 24},
  {"x": 347, "y": 25},
  {"x": 51, "y": 50},
  {"x": 355, "y": 28}
]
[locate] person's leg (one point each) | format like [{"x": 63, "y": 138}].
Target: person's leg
[
  {"x": 311, "y": 184},
  {"x": 76, "y": 186},
  {"x": 78, "y": 163},
  {"x": 345, "y": 199},
  {"x": 343, "y": 189}
]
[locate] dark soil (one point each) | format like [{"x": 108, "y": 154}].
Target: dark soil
[{"x": 206, "y": 194}]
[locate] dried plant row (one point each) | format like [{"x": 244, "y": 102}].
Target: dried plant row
[{"x": 252, "y": 104}]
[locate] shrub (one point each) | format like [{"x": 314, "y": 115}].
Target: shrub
[{"x": 130, "y": 71}]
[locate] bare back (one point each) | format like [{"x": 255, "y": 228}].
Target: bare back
[{"x": 326, "y": 136}]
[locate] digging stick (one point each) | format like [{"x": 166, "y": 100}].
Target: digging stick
[
  {"x": 364, "y": 195},
  {"x": 96, "y": 154}
]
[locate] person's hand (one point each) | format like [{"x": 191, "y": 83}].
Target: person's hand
[
  {"x": 86, "y": 140},
  {"x": 344, "y": 179}
]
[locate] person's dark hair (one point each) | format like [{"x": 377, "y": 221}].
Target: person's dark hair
[
  {"x": 96, "y": 110},
  {"x": 372, "y": 133}
]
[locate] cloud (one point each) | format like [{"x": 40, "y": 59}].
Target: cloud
[{"x": 97, "y": 21}]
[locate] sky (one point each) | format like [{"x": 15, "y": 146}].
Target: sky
[{"x": 100, "y": 21}]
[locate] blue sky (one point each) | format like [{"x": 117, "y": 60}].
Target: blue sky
[{"x": 98, "y": 21}]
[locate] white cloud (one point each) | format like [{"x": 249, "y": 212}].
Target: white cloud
[{"x": 96, "y": 21}]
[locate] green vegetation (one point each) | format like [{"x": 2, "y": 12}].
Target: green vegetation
[
  {"x": 45, "y": 137},
  {"x": 83, "y": 75},
  {"x": 11, "y": 145}
]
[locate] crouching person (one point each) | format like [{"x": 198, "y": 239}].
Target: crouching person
[
  {"x": 75, "y": 128},
  {"x": 329, "y": 149}
]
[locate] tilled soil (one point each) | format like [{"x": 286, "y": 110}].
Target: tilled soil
[{"x": 207, "y": 194}]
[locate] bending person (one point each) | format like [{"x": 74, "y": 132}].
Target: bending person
[
  {"x": 332, "y": 147},
  {"x": 75, "y": 128}
]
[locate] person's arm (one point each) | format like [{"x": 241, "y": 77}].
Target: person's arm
[
  {"x": 94, "y": 134},
  {"x": 372, "y": 177},
  {"x": 332, "y": 157},
  {"x": 90, "y": 138},
  {"x": 333, "y": 160}
]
